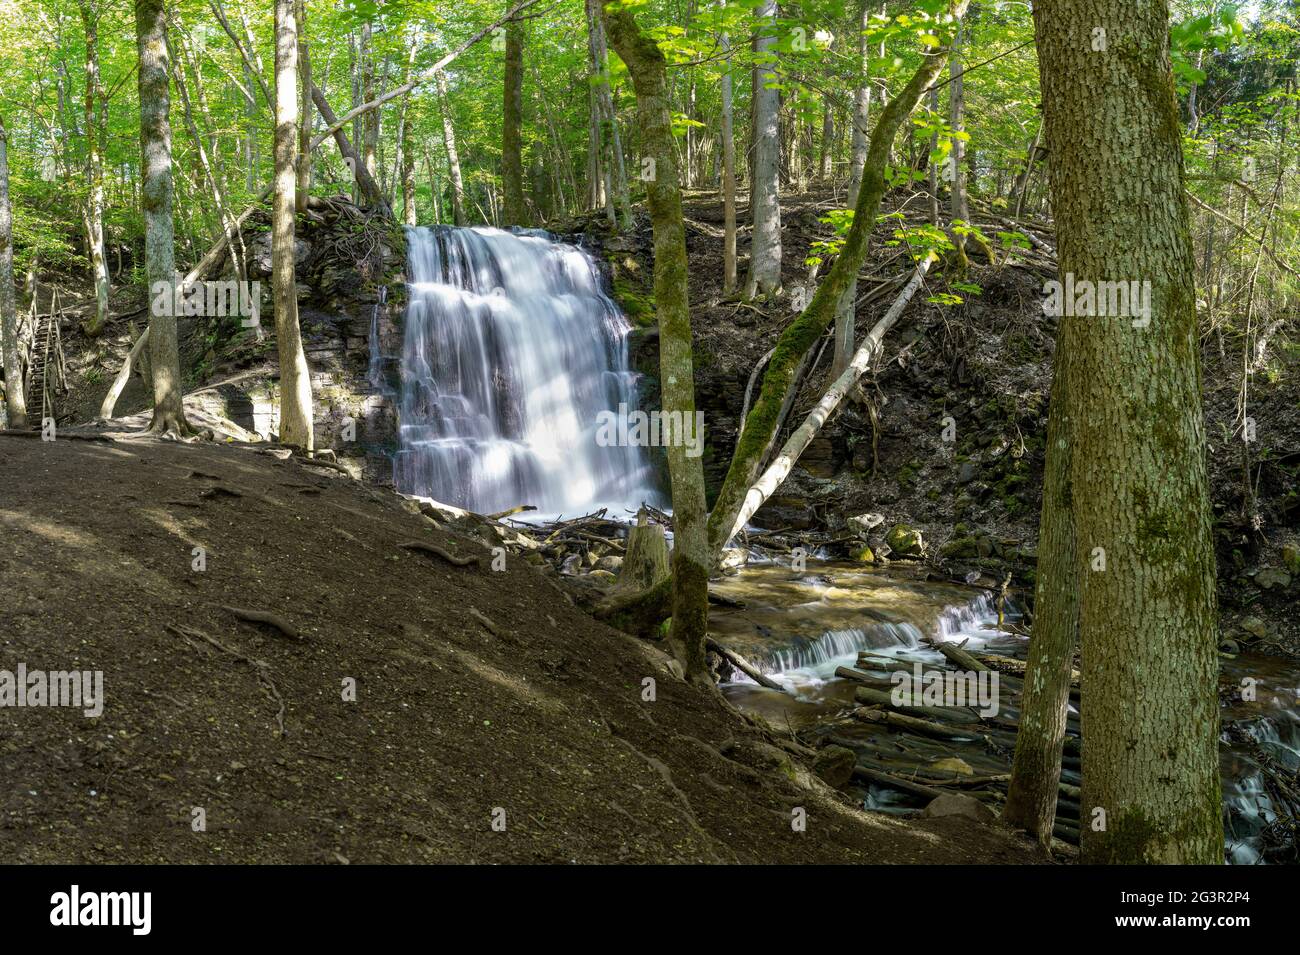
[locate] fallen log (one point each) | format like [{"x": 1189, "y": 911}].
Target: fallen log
[
  {"x": 912, "y": 724},
  {"x": 880, "y": 778},
  {"x": 265, "y": 617},
  {"x": 743, "y": 665},
  {"x": 870, "y": 697},
  {"x": 960, "y": 657}
]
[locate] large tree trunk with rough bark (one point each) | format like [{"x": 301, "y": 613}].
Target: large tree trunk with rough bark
[
  {"x": 512, "y": 122},
  {"x": 764, "y": 276},
  {"x": 156, "y": 200},
  {"x": 1145, "y": 554},
  {"x": 690, "y": 559},
  {"x": 1036, "y": 768},
  {"x": 295, "y": 377},
  {"x": 15, "y": 406},
  {"x": 764, "y": 417}
]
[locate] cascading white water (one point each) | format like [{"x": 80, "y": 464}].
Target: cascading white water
[{"x": 511, "y": 352}]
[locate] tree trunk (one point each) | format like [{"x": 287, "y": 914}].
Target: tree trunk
[
  {"x": 845, "y": 309},
  {"x": 295, "y": 377},
  {"x": 764, "y": 276},
  {"x": 764, "y": 418},
  {"x": 729, "y": 276},
  {"x": 1151, "y": 786},
  {"x": 453, "y": 157},
  {"x": 610, "y": 187},
  {"x": 690, "y": 559},
  {"x": 409, "y": 212},
  {"x": 303, "y": 188},
  {"x": 514, "y": 211},
  {"x": 156, "y": 200},
  {"x": 958, "y": 205},
  {"x": 1036, "y": 769},
  {"x": 15, "y": 406},
  {"x": 94, "y": 171},
  {"x": 370, "y": 120}
]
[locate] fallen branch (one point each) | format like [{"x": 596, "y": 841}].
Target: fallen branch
[{"x": 123, "y": 376}]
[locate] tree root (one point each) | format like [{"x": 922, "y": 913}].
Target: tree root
[
  {"x": 267, "y": 618},
  {"x": 260, "y": 667},
  {"x": 437, "y": 551}
]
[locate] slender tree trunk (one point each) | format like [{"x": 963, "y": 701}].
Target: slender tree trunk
[
  {"x": 453, "y": 157},
  {"x": 514, "y": 210},
  {"x": 730, "y": 279},
  {"x": 370, "y": 120},
  {"x": 763, "y": 421},
  {"x": 610, "y": 188},
  {"x": 764, "y": 276},
  {"x": 295, "y": 377},
  {"x": 1036, "y": 769},
  {"x": 958, "y": 206},
  {"x": 156, "y": 195},
  {"x": 1151, "y": 787},
  {"x": 845, "y": 309},
  {"x": 303, "y": 188},
  {"x": 15, "y": 406},
  {"x": 690, "y": 559},
  {"x": 409, "y": 213},
  {"x": 94, "y": 171}
]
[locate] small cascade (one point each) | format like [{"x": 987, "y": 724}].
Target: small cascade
[
  {"x": 837, "y": 647},
  {"x": 512, "y": 354}
]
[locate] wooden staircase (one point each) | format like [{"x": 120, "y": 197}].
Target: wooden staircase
[{"x": 46, "y": 370}]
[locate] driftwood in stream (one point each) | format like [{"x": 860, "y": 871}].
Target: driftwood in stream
[
  {"x": 960, "y": 657},
  {"x": 869, "y": 697},
  {"x": 913, "y": 724},
  {"x": 743, "y": 665},
  {"x": 881, "y": 778}
]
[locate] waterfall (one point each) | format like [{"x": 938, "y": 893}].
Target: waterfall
[{"x": 511, "y": 352}]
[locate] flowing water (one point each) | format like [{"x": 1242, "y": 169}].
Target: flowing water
[
  {"x": 511, "y": 352},
  {"x": 798, "y": 627}
]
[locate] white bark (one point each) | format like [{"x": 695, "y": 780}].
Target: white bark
[{"x": 798, "y": 442}]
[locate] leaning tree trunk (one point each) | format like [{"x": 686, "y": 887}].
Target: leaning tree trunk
[
  {"x": 295, "y": 377},
  {"x": 1151, "y": 787},
  {"x": 15, "y": 406},
  {"x": 512, "y": 120},
  {"x": 156, "y": 199},
  {"x": 764, "y": 418},
  {"x": 765, "y": 209},
  {"x": 690, "y": 559},
  {"x": 1036, "y": 769}
]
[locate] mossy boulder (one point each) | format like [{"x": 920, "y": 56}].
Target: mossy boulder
[
  {"x": 863, "y": 555},
  {"x": 959, "y": 547},
  {"x": 834, "y": 765},
  {"x": 905, "y": 541}
]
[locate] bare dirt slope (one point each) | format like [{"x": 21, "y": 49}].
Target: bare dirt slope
[{"x": 543, "y": 718}]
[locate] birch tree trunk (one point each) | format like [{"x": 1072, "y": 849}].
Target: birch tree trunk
[
  {"x": 1145, "y": 554},
  {"x": 156, "y": 202},
  {"x": 764, "y": 418},
  {"x": 764, "y": 276},
  {"x": 514, "y": 211},
  {"x": 690, "y": 558},
  {"x": 15, "y": 406},
  {"x": 295, "y": 377}
]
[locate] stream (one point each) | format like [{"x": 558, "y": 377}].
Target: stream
[{"x": 799, "y": 627}]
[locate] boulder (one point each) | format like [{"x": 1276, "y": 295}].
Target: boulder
[
  {"x": 905, "y": 541},
  {"x": 864, "y": 524},
  {"x": 958, "y": 804},
  {"x": 834, "y": 765},
  {"x": 1291, "y": 558},
  {"x": 1271, "y": 577}
]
